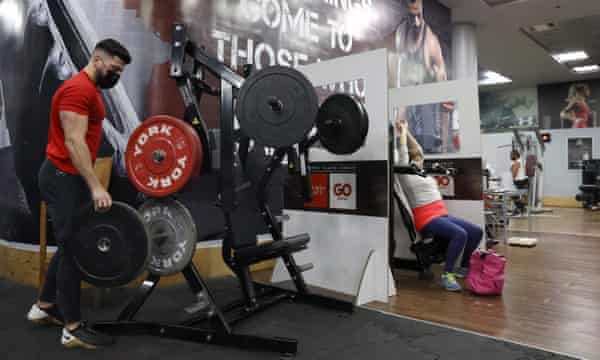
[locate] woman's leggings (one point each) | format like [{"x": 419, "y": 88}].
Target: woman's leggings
[{"x": 461, "y": 235}]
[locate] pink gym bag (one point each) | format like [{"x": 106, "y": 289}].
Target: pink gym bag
[{"x": 486, "y": 273}]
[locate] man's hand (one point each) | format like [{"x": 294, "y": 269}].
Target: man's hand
[{"x": 102, "y": 199}]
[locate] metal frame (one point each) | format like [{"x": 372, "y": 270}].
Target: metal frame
[
  {"x": 214, "y": 324},
  {"x": 536, "y": 182}
]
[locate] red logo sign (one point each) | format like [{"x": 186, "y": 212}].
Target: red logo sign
[
  {"x": 320, "y": 191},
  {"x": 342, "y": 190},
  {"x": 442, "y": 180}
]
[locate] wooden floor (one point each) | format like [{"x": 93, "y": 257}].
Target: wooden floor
[
  {"x": 552, "y": 292},
  {"x": 563, "y": 221}
]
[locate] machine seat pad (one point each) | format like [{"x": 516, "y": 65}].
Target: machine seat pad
[{"x": 253, "y": 254}]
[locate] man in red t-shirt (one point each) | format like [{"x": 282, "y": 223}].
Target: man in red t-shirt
[{"x": 67, "y": 181}]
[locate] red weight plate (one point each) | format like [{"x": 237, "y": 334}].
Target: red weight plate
[
  {"x": 198, "y": 168},
  {"x": 194, "y": 134},
  {"x": 162, "y": 154}
]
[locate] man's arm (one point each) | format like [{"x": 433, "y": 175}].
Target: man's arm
[
  {"x": 399, "y": 38},
  {"x": 567, "y": 113},
  {"x": 437, "y": 64},
  {"x": 515, "y": 169},
  {"x": 75, "y": 128}
]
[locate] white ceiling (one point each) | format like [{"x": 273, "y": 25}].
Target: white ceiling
[{"x": 504, "y": 48}]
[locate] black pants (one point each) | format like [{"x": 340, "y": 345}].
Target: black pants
[
  {"x": 64, "y": 195},
  {"x": 521, "y": 185}
]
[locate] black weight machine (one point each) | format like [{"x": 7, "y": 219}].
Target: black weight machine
[
  {"x": 589, "y": 194},
  {"x": 215, "y": 323},
  {"x": 428, "y": 250}
]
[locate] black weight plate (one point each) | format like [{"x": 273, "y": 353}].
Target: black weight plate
[
  {"x": 342, "y": 123},
  {"x": 277, "y": 106},
  {"x": 173, "y": 235},
  {"x": 111, "y": 248},
  {"x": 365, "y": 121}
]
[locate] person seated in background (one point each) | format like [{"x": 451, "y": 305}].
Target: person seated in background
[
  {"x": 430, "y": 214},
  {"x": 520, "y": 180}
]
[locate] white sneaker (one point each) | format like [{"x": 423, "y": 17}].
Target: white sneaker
[
  {"x": 84, "y": 337},
  {"x": 43, "y": 317}
]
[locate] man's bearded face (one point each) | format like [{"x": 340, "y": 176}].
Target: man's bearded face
[
  {"x": 415, "y": 18},
  {"x": 415, "y": 7}
]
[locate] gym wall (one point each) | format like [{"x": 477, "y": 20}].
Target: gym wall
[
  {"x": 501, "y": 110},
  {"x": 533, "y": 107},
  {"x": 540, "y": 106},
  {"x": 553, "y": 98},
  {"x": 44, "y": 42},
  {"x": 560, "y": 183},
  {"x": 348, "y": 217}
]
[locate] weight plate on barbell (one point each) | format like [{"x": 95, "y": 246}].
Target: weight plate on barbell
[
  {"x": 173, "y": 235},
  {"x": 162, "y": 154},
  {"x": 342, "y": 124},
  {"x": 277, "y": 106},
  {"x": 110, "y": 248}
]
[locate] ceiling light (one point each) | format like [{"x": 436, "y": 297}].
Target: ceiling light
[
  {"x": 493, "y": 78},
  {"x": 570, "y": 56},
  {"x": 542, "y": 27},
  {"x": 494, "y": 3},
  {"x": 586, "y": 69}
]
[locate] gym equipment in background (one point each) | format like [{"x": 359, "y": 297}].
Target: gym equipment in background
[
  {"x": 532, "y": 148},
  {"x": 589, "y": 194}
]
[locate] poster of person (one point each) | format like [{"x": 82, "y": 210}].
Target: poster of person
[
  {"x": 503, "y": 110},
  {"x": 45, "y": 42},
  {"x": 421, "y": 55},
  {"x": 569, "y": 105},
  {"x": 579, "y": 149},
  {"x": 422, "y": 45},
  {"x": 434, "y": 126}
]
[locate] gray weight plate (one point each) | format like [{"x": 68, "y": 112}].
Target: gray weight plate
[
  {"x": 172, "y": 233},
  {"x": 277, "y": 106},
  {"x": 111, "y": 248}
]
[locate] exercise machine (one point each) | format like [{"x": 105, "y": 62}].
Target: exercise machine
[
  {"x": 532, "y": 148},
  {"x": 427, "y": 250},
  {"x": 589, "y": 194},
  {"x": 164, "y": 151}
]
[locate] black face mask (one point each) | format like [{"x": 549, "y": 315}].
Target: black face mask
[
  {"x": 414, "y": 30},
  {"x": 108, "y": 80}
]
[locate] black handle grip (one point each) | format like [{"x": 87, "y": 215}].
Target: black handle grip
[
  {"x": 306, "y": 173},
  {"x": 293, "y": 161},
  {"x": 409, "y": 170}
]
